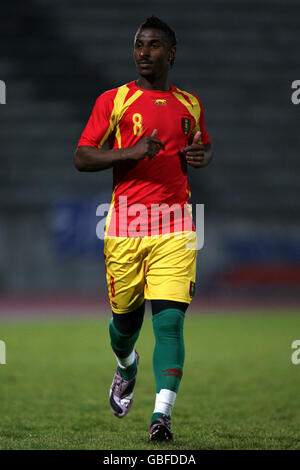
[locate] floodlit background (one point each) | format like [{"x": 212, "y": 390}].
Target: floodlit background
[{"x": 240, "y": 57}]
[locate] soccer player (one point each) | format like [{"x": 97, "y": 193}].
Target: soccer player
[{"x": 155, "y": 131}]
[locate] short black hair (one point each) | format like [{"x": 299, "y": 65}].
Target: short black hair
[{"x": 156, "y": 23}]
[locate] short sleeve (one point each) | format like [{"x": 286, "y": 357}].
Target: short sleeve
[
  {"x": 99, "y": 125},
  {"x": 205, "y": 139}
]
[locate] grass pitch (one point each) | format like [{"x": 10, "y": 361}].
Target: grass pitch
[{"x": 240, "y": 389}]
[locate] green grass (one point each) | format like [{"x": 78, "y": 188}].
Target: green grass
[{"x": 240, "y": 389}]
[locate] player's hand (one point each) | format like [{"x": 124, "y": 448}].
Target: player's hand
[
  {"x": 148, "y": 146},
  {"x": 195, "y": 153}
]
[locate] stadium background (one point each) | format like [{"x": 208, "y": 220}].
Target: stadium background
[
  {"x": 240, "y": 57},
  {"x": 56, "y": 57}
]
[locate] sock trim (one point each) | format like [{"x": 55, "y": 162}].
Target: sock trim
[
  {"x": 124, "y": 362},
  {"x": 165, "y": 401}
]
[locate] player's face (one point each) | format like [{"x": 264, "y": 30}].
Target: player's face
[{"x": 151, "y": 52}]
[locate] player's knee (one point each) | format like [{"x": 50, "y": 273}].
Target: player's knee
[
  {"x": 131, "y": 322},
  {"x": 168, "y": 324},
  {"x": 160, "y": 305}
]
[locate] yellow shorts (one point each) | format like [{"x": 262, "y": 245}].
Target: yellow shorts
[{"x": 150, "y": 268}]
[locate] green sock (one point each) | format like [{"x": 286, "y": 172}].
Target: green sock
[
  {"x": 158, "y": 415},
  {"x": 122, "y": 344},
  {"x": 169, "y": 351},
  {"x": 129, "y": 372}
]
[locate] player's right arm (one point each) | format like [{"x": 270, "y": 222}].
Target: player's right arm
[{"x": 90, "y": 156}]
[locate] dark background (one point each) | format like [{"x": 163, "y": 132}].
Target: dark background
[{"x": 241, "y": 58}]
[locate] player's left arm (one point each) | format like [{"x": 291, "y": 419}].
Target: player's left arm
[
  {"x": 200, "y": 151},
  {"x": 198, "y": 155}
]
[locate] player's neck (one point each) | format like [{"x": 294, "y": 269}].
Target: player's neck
[{"x": 161, "y": 83}]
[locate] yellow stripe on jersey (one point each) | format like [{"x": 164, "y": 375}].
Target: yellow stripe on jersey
[
  {"x": 193, "y": 107},
  {"x": 108, "y": 218},
  {"x": 109, "y": 129},
  {"x": 120, "y": 107},
  {"x": 106, "y": 135},
  {"x": 120, "y": 97},
  {"x": 117, "y": 113}
]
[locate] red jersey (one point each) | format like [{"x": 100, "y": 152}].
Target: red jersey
[{"x": 122, "y": 116}]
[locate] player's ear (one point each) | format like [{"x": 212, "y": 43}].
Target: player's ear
[{"x": 172, "y": 53}]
